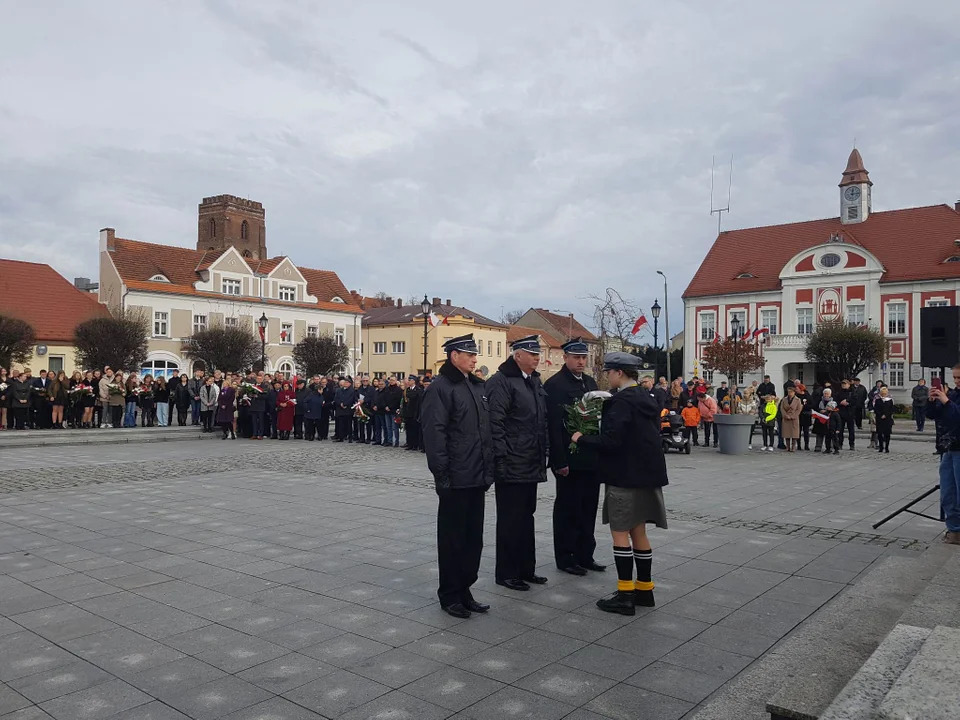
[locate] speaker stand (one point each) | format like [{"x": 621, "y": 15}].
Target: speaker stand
[{"x": 907, "y": 509}]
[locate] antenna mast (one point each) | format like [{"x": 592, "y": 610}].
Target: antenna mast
[{"x": 719, "y": 211}]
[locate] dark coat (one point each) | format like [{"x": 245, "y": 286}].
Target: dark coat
[
  {"x": 312, "y": 404},
  {"x": 301, "y": 398},
  {"x": 368, "y": 392},
  {"x": 344, "y": 400},
  {"x": 839, "y": 395},
  {"x": 226, "y": 402},
  {"x": 660, "y": 395},
  {"x": 518, "y": 424},
  {"x": 859, "y": 394},
  {"x": 329, "y": 393},
  {"x": 390, "y": 398},
  {"x": 767, "y": 388},
  {"x": 564, "y": 390},
  {"x": 411, "y": 404},
  {"x": 631, "y": 454},
  {"x": 258, "y": 403},
  {"x": 884, "y": 413},
  {"x": 456, "y": 431},
  {"x": 182, "y": 396},
  {"x": 805, "y": 414}
]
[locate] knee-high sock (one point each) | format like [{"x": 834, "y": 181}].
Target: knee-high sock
[
  {"x": 644, "y": 560},
  {"x": 623, "y": 557}
]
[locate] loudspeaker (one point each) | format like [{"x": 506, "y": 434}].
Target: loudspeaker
[{"x": 940, "y": 336}]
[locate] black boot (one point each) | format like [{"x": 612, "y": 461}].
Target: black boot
[
  {"x": 644, "y": 598},
  {"x": 621, "y": 603}
]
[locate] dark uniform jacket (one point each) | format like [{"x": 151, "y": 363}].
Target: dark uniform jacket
[
  {"x": 518, "y": 424},
  {"x": 391, "y": 397},
  {"x": 302, "y": 395},
  {"x": 311, "y": 404},
  {"x": 766, "y": 388},
  {"x": 344, "y": 400},
  {"x": 564, "y": 390},
  {"x": 456, "y": 431},
  {"x": 631, "y": 455},
  {"x": 859, "y": 394},
  {"x": 411, "y": 404},
  {"x": 839, "y": 395}
]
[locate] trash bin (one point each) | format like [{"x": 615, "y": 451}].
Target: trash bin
[{"x": 734, "y": 432}]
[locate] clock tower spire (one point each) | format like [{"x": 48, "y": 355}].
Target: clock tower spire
[{"x": 855, "y": 203}]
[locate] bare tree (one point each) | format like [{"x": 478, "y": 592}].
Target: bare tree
[
  {"x": 16, "y": 341},
  {"x": 614, "y": 318},
  {"x": 120, "y": 341},
  {"x": 320, "y": 355},
  {"x": 224, "y": 348},
  {"x": 512, "y": 317}
]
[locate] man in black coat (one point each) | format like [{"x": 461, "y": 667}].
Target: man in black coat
[
  {"x": 456, "y": 436},
  {"x": 845, "y": 402},
  {"x": 578, "y": 486},
  {"x": 328, "y": 389},
  {"x": 411, "y": 413},
  {"x": 518, "y": 424},
  {"x": 859, "y": 395},
  {"x": 343, "y": 402},
  {"x": 767, "y": 388},
  {"x": 391, "y": 398}
]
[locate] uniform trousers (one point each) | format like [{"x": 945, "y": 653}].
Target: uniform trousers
[
  {"x": 344, "y": 425},
  {"x": 413, "y": 433},
  {"x": 516, "y": 553},
  {"x": 459, "y": 542},
  {"x": 323, "y": 429},
  {"x": 574, "y": 518}
]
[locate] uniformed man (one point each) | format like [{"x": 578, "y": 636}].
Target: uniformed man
[
  {"x": 518, "y": 425},
  {"x": 578, "y": 487},
  {"x": 456, "y": 435}
]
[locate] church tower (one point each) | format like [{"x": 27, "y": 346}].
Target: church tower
[
  {"x": 855, "y": 204},
  {"x": 226, "y": 220}
]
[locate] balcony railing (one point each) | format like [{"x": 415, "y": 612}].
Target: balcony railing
[{"x": 788, "y": 341}]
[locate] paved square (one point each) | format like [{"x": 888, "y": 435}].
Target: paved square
[{"x": 291, "y": 580}]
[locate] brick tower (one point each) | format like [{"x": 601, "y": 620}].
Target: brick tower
[{"x": 226, "y": 220}]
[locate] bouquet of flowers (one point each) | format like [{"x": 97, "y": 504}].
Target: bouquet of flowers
[
  {"x": 246, "y": 391},
  {"x": 3, "y": 386},
  {"x": 584, "y": 415},
  {"x": 39, "y": 392},
  {"x": 359, "y": 413},
  {"x": 78, "y": 393},
  {"x": 114, "y": 389}
]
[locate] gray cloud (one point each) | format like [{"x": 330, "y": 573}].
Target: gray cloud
[{"x": 498, "y": 154}]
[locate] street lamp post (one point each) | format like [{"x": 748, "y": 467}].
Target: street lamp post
[
  {"x": 666, "y": 322},
  {"x": 735, "y": 326},
  {"x": 425, "y": 307},
  {"x": 655, "y": 311},
  {"x": 262, "y": 322}
]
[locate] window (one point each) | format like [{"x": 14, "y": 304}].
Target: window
[
  {"x": 288, "y": 293},
  {"x": 285, "y": 369},
  {"x": 897, "y": 319},
  {"x": 160, "y": 324},
  {"x": 490, "y": 347},
  {"x": 856, "y": 315},
  {"x": 744, "y": 276},
  {"x": 286, "y": 333},
  {"x": 244, "y": 230},
  {"x": 805, "y": 321},
  {"x": 708, "y": 326},
  {"x": 158, "y": 368},
  {"x": 741, "y": 316},
  {"x": 231, "y": 287},
  {"x": 896, "y": 374},
  {"x": 199, "y": 323},
  {"x": 338, "y": 336},
  {"x": 829, "y": 260},
  {"x": 480, "y": 348},
  {"x": 159, "y": 277},
  {"x": 768, "y": 319},
  {"x": 380, "y": 348},
  {"x": 853, "y": 212},
  {"x": 213, "y": 228},
  {"x": 499, "y": 349},
  {"x": 379, "y": 375},
  {"x": 398, "y": 347},
  {"x": 937, "y": 303},
  {"x": 55, "y": 363},
  {"x": 312, "y": 331}
]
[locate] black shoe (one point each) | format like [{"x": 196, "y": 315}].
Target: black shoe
[
  {"x": 573, "y": 570},
  {"x": 474, "y": 606},
  {"x": 513, "y": 584},
  {"x": 595, "y": 566},
  {"x": 643, "y": 598},
  {"x": 457, "y": 610},
  {"x": 620, "y": 603},
  {"x": 536, "y": 580}
]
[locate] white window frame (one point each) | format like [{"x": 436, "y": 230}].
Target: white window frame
[
  {"x": 380, "y": 347},
  {"x": 287, "y": 293},
  {"x": 896, "y": 374},
  {"x": 286, "y": 369},
  {"x": 288, "y": 328},
  {"x": 161, "y": 324},
  {"x": 398, "y": 347},
  {"x": 200, "y": 323},
  {"x": 938, "y": 302},
  {"x": 340, "y": 336},
  {"x": 231, "y": 286},
  {"x": 480, "y": 348},
  {"x": 861, "y": 318},
  {"x": 707, "y": 331},
  {"x": 489, "y": 348},
  {"x": 896, "y": 327},
  {"x": 742, "y": 316},
  {"x": 774, "y": 326},
  {"x": 805, "y": 328},
  {"x": 499, "y": 348},
  {"x": 231, "y": 322},
  {"x": 313, "y": 331}
]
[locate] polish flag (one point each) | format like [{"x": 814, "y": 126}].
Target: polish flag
[
  {"x": 716, "y": 338},
  {"x": 638, "y": 325},
  {"x": 820, "y": 417},
  {"x": 437, "y": 320},
  {"x": 759, "y": 332},
  {"x": 262, "y": 336}
]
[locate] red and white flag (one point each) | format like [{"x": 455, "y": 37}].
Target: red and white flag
[
  {"x": 820, "y": 417},
  {"x": 716, "y": 338},
  {"x": 437, "y": 320},
  {"x": 760, "y": 332},
  {"x": 638, "y": 325},
  {"x": 262, "y": 335}
]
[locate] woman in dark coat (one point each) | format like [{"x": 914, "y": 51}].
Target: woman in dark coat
[
  {"x": 806, "y": 419},
  {"x": 286, "y": 404},
  {"x": 883, "y": 410},
  {"x": 183, "y": 397},
  {"x": 634, "y": 470},
  {"x": 226, "y": 403}
]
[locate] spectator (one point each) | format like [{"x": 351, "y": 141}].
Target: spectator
[
  {"x": 860, "y": 401},
  {"x": 919, "y": 395},
  {"x": 768, "y": 422},
  {"x": 691, "y": 421},
  {"x": 708, "y": 408},
  {"x": 883, "y": 408},
  {"x": 790, "y": 409},
  {"x": 209, "y": 397}
]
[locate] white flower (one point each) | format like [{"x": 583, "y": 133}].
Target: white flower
[{"x": 596, "y": 394}]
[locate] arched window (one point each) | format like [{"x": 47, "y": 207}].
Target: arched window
[
  {"x": 286, "y": 369},
  {"x": 246, "y": 254},
  {"x": 244, "y": 230},
  {"x": 159, "y": 368},
  {"x": 213, "y": 228}
]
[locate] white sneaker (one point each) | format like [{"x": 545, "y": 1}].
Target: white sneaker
[
  {"x": 770, "y": 448},
  {"x": 106, "y": 425},
  {"x": 749, "y": 447}
]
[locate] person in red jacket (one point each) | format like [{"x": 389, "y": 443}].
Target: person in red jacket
[{"x": 286, "y": 407}]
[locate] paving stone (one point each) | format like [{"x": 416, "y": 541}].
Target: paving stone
[
  {"x": 11, "y": 701},
  {"x": 675, "y": 681},
  {"x": 30, "y": 713},
  {"x": 396, "y": 668},
  {"x": 708, "y": 659},
  {"x": 63, "y": 680},
  {"x": 151, "y": 711},
  {"x": 626, "y": 702},
  {"x": 453, "y": 688},
  {"x": 397, "y": 705},
  {"x": 566, "y": 684},
  {"x": 396, "y": 631},
  {"x": 218, "y": 698},
  {"x": 274, "y": 709},
  {"x": 19, "y": 659},
  {"x": 501, "y": 664},
  {"x": 286, "y": 673},
  {"x": 513, "y": 702},
  {"x": 544, "y": 645},
  {"x": 616, "y": 664},
  {"x": 752, "y": 644},
  {"x": 345, "y": 650},
  {"x": 174, "y": 677},
  {"x": 122, "y": 652},
  {"x": 100, "y": 701},
  {"x": 336, "y": 694},
  {"x": 446, "y": 647}
]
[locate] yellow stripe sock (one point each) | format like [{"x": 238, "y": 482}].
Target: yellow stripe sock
[
  {"x": 624, "y": 585},
  {"x": 640, "y": 585}
]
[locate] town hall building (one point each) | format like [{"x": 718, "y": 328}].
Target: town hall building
[{"x": 865, "y": 267}]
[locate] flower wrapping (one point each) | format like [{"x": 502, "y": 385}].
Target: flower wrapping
[
  {"x": 359, "y": 413},
  {"x": 115, "y": 389},
  {"x": 584, "y": 415}
]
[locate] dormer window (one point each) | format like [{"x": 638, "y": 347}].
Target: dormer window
[
  {"x": 953, "y": 258},
  {"x": 288, "y": 293},
  {"x": 159, "y": 277},
  {"x": 829, "y": 260},
  {"x": 337, "y": 299},
  {"x": 745, "y": 276},
  {"x": 231, "y": 287}
]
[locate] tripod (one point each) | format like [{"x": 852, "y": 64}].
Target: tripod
[{"x": 907, "y": 508}]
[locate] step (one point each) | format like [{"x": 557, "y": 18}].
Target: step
[
  {"x": 805, "y": 671},
  {"x": 99, "y": 436},
  {"x": 938, "y": 603},
  {"x": 928, "y": 688},
  {"x": 862, "y": 696}
]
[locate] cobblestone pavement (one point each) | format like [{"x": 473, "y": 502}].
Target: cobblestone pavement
[{"x": 277, "y": 580}]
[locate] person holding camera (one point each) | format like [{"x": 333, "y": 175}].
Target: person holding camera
[{"x": 944, "y": 408}]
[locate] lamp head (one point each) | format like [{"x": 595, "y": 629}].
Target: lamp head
[
  {"x": 655, "y": 310},
  {"x": 425, "y": 306},
  {"x": 262, "y": 322}
]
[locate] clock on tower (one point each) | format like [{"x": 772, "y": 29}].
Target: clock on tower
[{"x": 855, "y": 187}]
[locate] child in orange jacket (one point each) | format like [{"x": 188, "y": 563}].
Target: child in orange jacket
[{"x": 691, "y": 421}]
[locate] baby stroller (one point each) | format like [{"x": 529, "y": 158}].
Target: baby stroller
[{"x": 672, "y": 436}]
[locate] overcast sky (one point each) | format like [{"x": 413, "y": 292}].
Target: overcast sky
[{"x": 496, "y": 153}]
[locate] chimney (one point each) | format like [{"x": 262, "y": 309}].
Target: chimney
[
  {"x": 956, "y": 206},
  {"x": 108, "y": 240},
  {"x": 446, "y": 302},
  {"x": 436, "y": 301},
  {"x": 399, "y": 302}
]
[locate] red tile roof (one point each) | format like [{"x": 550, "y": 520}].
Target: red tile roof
[
  {"x": 42, "y": 297},
  {"x": 566, "y": 325},
  {"x": 912, "y": 244},
  {"x": 391, "y": 315},
  {"x": 515, "y": 332},
  {"x": 138, "y": 261}
]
